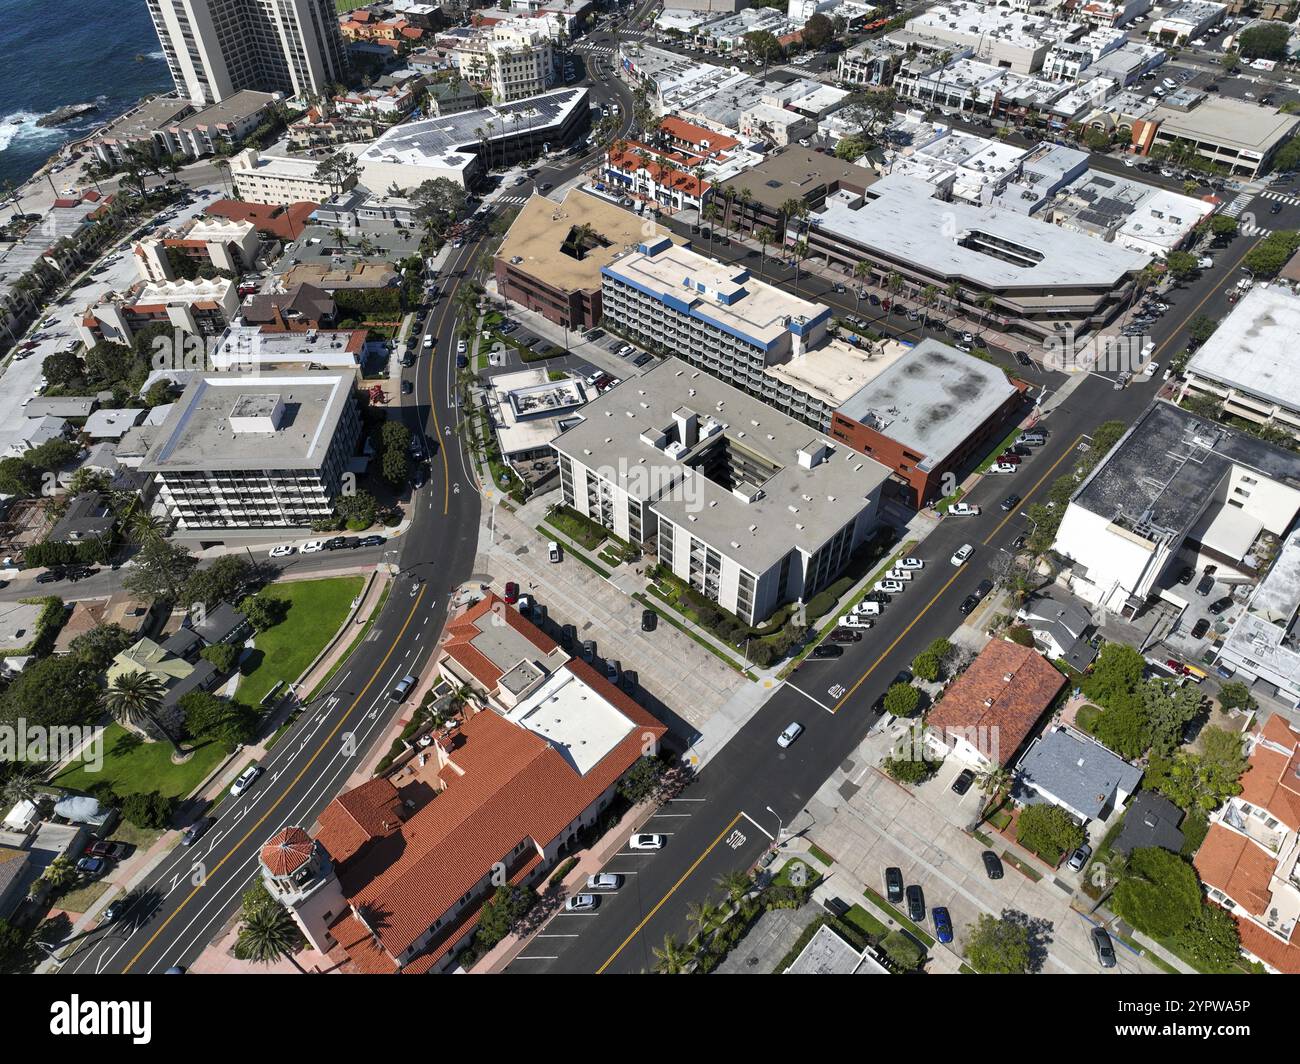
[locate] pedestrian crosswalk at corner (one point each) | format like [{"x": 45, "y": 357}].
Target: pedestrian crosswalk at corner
[
  {"x": 1281, "y": 197},
  {"x": 1250, "y": 229}
]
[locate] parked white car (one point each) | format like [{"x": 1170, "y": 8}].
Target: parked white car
[
  {"x": 889, "y": 587},
  {"x": 856, "y": 620},
  {"x": 646, "y": 841},
  {"x": 792, "y": 732},
  {"x": 899, "y": 574},
  {"x": 553, "y": 551},
  {"x": 962, "y": 554},
  {"x": 604, "y": 881},
  {"x": 1000, "y": 467},
  {"x": 868, "y": 608},
  {"x": 580, "y": 903},
  {"x": 963, "y": 509},
  {"x": 283, "y": 551},
  {"x": 312, "y": 546},
  {"x": 911, "y": 563}
]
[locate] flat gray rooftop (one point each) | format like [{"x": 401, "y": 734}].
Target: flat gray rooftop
[
  {"x": 1164, "y": 471},
  {"x": 796, "y": 507},
  {"x": 1255, "y": 348},
  {"x": 931, "y": 399},
  {"x": 1079, "y": 771},
  {"x": 954, "y": 240},
  {"x": 197, "y": 435}
]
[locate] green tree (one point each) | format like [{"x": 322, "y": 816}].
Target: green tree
[
  {"x": 18, "y": 478},
  {"x": 1168, "y": 709},
  {"x": 1236, "y": 695},
  {"x": 927, "y": 666},
  {"x": 502, "y": 912},
  {"x": 998, "y": 946},
  {"x": 912, "y": 770},
  {"x": 1124, "y": 728},
  {"x": 1264, "y": 41},
  {"x": 673, "y": 958},
  {"x": 1115, "y": 676},
  {"x": 1181, "y": 264},
  {"x": 99, "y": 646},
  {"x": 1048, "y": 830},
  {"x": 1202, "y": 328},
  {"x": 1202, "y": 781},
  {"x": 642, "y": 780},
  {"x": 902, "y": 699},
  {"x": 764, "y": 46},
  {"x": 62, "y": 368},
  {"x": 1211, "y": 939},
  {"x": 226, "y": 579},
  {"x": 135, "y": 698},
  {"x": 54, "y": 691},
  {"x": 152, "y": 810},
  {"x": 1158, "y": 892},
  {"x": 396, "y": 467},
  {"x": 1267, "y": 257},
  {"x": 818, "y": 32},
  {"x": 223, "y": 656},
  {"x": 851, "y": 148},
  {"x": 268, "y": 934},
  {"x": 263, "y": 611},
  {"x": 161, "y": 570}
]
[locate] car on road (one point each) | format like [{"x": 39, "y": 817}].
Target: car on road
[
  {"x": 1023, "y": 358},
  {"x": 968, "y": 605},
  {"x": 312, "y": 546},
  {"x": 889, "y": 587},
  {"x": 915, "y": 904},
  {"x": 992, "y": 864},
  {"x": 846, "y": 634},
  {"x": 911, "y": 563},
  {"x": 649, "y": 620},
  {"x": 246, "y": 779},
  {"x": 49, "y": 576},
  {"x": 894, "y": 885},
  {"x": 197, "y": 830},
  {"x": 283, "y": 551},
  {"x": 115, "y": 909},
  {"x": 553, "y": 551},
  {"x": 963, "y": 781},
  {"x": 1010, "y": 502},
  {"x": 581, "y": 903},
  {"x": 983, "y": 588},
  {"x": 1080, "y": 857},
  {"x": 372, "y": 541},
  {"x": 1103, "y": 947},
  {"x": 604, "y": 881},
  {"x": 646, "y": 841},
  {"x": 402, "y": 688},
  {"x": 792, "y": 732},
  {"x": 856, "y": 621},
  {"x": 942, "y": 923},
  {"x": 963, "y": 509},
  {"x": 408, "y": 387},
  {"x": 827, "y": 650},
  {"x": 962, "y": 554}
]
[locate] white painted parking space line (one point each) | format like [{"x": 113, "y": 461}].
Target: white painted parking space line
[{"x": 810, "y": 698}]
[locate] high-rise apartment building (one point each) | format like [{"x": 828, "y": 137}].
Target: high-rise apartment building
[{"x": 215, "y": 48}]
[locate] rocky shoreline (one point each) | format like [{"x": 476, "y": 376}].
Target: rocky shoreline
[{"x": 66, "y": 113}]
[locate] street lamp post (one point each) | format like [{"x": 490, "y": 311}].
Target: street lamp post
[{"x": 780, "y": 824}]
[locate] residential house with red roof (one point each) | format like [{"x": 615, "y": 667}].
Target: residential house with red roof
[
  {"x": 988, "y": 712},
  {"x": 399, "y": 868},
  {"x": 1250, "y": 859}
]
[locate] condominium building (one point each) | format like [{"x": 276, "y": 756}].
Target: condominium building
[
  {"x": 514, "y": 59},
  {"x": 1250, "y": 365},
  {"x": 199, "y": 307},
  {"x": 280, "y": 179},
  {"x": 228, "y": 246},
  {"x": 750, "y": 507},
  {"x": 264, "y": 451},
  {"x": 214, "y": 48}
]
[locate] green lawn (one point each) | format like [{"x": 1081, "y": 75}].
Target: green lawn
[
  {"x": 136, "y": 767},
  {"x": 865, "y": 922},
  {"x": 316, "y": 609}
]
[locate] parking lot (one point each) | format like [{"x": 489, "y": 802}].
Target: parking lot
[{"x": 867, "y": 823}]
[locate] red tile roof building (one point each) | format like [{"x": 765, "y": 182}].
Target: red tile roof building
[
  {"x": 987, "y": 713},
  {"x": 1250, "y": 859},
  {"x": 271, "y": 220},
  {"x": 404, "y": 874}
]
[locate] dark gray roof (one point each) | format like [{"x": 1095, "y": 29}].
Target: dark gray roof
[
  {"x": 220, "y": 623},
  {"x": 1077, "y": 771},
  {"x": 183, "y": 643},
  {"x": 1164, "y": 471},
  {"x": 1151, "y": 820}
]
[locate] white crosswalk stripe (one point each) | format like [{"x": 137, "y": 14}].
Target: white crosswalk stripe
[
  {"x": 1281, "y": 197},
  {"x": 1233, "y": 209},
  {"x": 1255, "y": 230}
]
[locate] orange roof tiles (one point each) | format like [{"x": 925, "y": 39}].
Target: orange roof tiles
[
  {"x": 462, "y": 631},
  {"x": 1284, "y": 956},
  {"x": 370, "y": 811},
  {"x": 679, "y": 129},
  {"x": 1232, "y": 863},
  {"x": 287, "y": 851},
  {"x": 1270, "y": 780},
  {"x": 636, "y": 156},
  {"x": 1005, "y": 709}
]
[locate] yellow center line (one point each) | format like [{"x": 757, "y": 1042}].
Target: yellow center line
[
  {"x": 1037, "y": 484},
  {"x": 433, "y": 410},
  {"x": 1191, "y": 313},
  {"x": 671, "y": 891},
  {"x": 284, "y": 793}
]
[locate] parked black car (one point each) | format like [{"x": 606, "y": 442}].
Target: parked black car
[
  {"x": 371, "y": 541},
  {"x": 827, "y": 650},
  {"x": 649, "y": 620},
  {"x": 968, "y": 605},
  {"x": 1206, "y": 584},
  {"x": 1219, "y": 605},
  {"x": 1185, "y": 576},
  {"x": 992, "y": 864},
  {"x": 963, "y": 781},
  {"x": 915, "y": 904},
  {"x": 846, "y": 635},
  {"x": 1202, "y": 626},
  {"x": 894, "y": 884},
  {"x": 1104, "y": 947}
]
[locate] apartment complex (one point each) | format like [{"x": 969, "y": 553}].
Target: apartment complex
[
  {"x": 199, "y": 307},
  {"x": 1176, "y": 489},
  {"x": 280, "y": 179},
  {"x": 512, "y": 59},
  {"x": 750, "y": 507},
  {"x": 1250, "y": 365},
  {"x": 1249, "y": 862},
  {"x": 215, "y": 48},
  {"x": 230, "y": 247},
  {"x": 267, "y": 451}
]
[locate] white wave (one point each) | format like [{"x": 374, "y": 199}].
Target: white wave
[
  {"x": 22, "y": 124},
  {"x": 154, "y": 55}
]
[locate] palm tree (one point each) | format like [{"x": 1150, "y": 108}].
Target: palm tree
[
  {"x": 992, "y": 783},
  {"x": 953, "y": 292},
  {"x": 736, "y": 885},
  {"x": 673, "y": 958},
  {"x": 60, "y": 872},
  {"x": 268, "y": 935},
  {"x": 135, "y": 696},
  {"x": 223, "y": 168},
  {"x": 21, "y": 786},
  {"x": 764, "y": 235},
  {"x": 800, "y": 253},
  {"x": 705, "y": 916},
  {"x": 860, "y": 273},
  {"x": 711, "y": 214}
]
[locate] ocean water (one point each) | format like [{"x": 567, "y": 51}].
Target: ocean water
[{"x": 55, "y": 52}]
